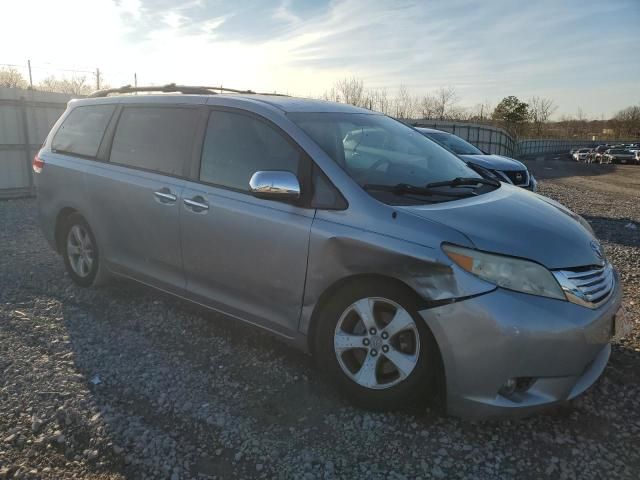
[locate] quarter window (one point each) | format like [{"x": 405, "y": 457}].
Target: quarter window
[
  {"x": 236, "y": 146},
  {"x": 82, "y": 130},
  {"x": 155, "y": 138}
]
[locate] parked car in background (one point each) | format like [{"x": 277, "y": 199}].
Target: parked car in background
[
  {"x": 506, "y": 169},
  {"x": 403, "y": 269},
  {"x": 618, "y": 155},
  {"x": 573, "y": 151},
  {"x": 581, "y": 154},
  {"x": 633, "y": 148},
  {"x": 636, "y": 157},
  {"x": 595, "y": 156}
]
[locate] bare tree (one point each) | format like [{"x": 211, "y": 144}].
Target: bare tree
[
  {"x": 627, "y": 122},
  {"x": 540, "y": 110},
  {"x": 481, "y": 111},
  {"x": 74, "y": 85},
  {"x": 405, "y": 105},
  {"x": 12, "y": 78},
  {"x": 331, "y": 95},
  {"x": 445, "y": 100},
  {"x": 442, "y": 105},
  {"x": 379, "y": 101},
  {"x": 428, "y": 107},
  {"x": 351, "y": 91}
]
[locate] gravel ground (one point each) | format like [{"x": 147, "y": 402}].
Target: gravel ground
[{"x": 124, "y": 382}]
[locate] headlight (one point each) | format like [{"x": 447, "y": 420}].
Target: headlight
[{"x": 507, "y": 272}]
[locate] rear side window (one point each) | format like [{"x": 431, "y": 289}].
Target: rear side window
[
  {"x": 82, "y": 130},
  {"x": 155, "y": 138},
  {"x": 236, "y": 146}
]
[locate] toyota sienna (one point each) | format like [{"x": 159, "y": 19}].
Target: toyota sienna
[{"x": 404, "y": 270}]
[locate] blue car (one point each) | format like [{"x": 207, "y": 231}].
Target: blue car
[{"x": 505, "y": 169}]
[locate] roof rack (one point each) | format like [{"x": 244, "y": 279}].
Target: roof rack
[{"x": 173, "y": 88}]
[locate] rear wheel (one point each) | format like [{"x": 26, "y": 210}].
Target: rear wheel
[
  {"x": 80, "y": 251},
  {"x": 377, "y": 348}
]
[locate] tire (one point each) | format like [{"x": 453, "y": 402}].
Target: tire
[
  {"x": 80, "y": 252},
  {"x": 387, "y": 386}
]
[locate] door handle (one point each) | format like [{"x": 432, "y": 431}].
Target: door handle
[
  {"x": 164, "y": 195},
  {"x": 198, "y": 204}
]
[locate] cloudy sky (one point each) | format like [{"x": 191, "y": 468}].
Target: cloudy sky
[{"x": 581, "y": 53}]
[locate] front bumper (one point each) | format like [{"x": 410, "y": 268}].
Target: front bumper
[{"x": 486, "y": 340}]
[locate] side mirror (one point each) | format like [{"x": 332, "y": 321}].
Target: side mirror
[{"x": 275, "y": 185}]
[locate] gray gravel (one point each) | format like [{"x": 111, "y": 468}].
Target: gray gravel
[{"x": 124, "y": 382}]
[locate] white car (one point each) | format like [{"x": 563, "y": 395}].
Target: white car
[{"x": 581, "y": 154}]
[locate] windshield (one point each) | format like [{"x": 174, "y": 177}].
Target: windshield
[
  {"x": 454, "y": 143},
  {"x": 375, "y": 149}
]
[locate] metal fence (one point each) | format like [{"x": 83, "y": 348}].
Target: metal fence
[
  {"x": 26, "y": 116},
  {"x": 496, "y": 140},
  {"x": 541, "y": 146},
  {"x": 485, "y": 137}
]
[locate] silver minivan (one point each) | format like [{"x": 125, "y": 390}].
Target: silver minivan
[{"x": 406, "y": 272}]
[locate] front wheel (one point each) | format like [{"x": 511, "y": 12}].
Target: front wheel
[{"x": 377, "y": 348}]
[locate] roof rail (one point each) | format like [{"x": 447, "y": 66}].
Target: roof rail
[{"x": 173, "y": 88}]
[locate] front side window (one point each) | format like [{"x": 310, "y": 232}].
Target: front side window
[
  {"x": 396, "y": 154},
  {"x": 155, "y": 138},
  {"x": 82, "y": 130},
  {"x": 238, "y": 145}
]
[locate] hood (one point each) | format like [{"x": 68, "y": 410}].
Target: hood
[
  {"x": 495, "y": 162},
  {"x": 513, "y": 221}
]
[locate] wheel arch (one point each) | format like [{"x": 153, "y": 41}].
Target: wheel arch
[
  {"x": 63, "y": 214},
  {"x": 420, "y": 303},
  {"x": 346, "y": 282}
]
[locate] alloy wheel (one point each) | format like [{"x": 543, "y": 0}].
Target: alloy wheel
[
  {"x": 80, "y": 250},
  {"x": 377, "y": 343}
]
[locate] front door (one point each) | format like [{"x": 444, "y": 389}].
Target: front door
[{"x": 243, "y": 255}]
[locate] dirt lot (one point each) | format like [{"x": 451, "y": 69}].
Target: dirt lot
[{"x": 123, "y": 382}]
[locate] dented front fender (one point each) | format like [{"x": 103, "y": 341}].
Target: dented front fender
[{"x": 338, "y": 251}]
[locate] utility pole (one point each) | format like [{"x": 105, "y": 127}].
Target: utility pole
[
  {"x": 97, "y": 79},
  {"x": 30, "y": 77},
  {"x": 135, "y": 79}
]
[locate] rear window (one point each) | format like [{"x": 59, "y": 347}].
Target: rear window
[
  {"x": 82, "y": 130},
  {"x": 155, "y": 138}
]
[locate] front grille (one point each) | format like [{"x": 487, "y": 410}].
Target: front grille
[
  {"x": 517, "y": 177},
  {"x": 587, "y": 286}
]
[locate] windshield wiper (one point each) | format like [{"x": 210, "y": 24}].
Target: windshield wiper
[
  {"x": 406, "y": 188},
  {"x": 464, "y": 182}
]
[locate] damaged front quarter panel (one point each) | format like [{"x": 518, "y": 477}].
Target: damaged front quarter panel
[{"x": 401, "y": 247}]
